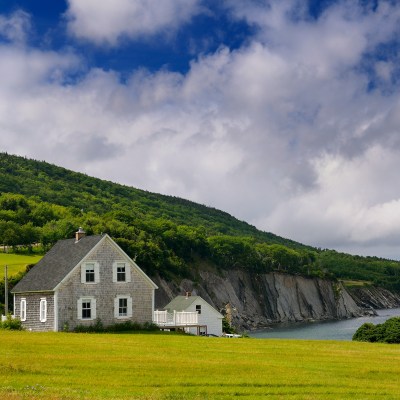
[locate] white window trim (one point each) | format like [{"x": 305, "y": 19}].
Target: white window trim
[
  {"x": 116, "y": 307},
  {"x": 93, "y": 313},
  {"x": 84, "y": 267},
  {"x": 22, "y": 309},
  {"x": 43, "y": 310},
  {"x": 128, "y": 277}
]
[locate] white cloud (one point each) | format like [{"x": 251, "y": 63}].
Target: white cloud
[
  {"x": 356, "y": 203},
  {"x": 283, "y": 132},
  {"x": 15, "y": 27},
  {"x": 108, "y": 22},
  {"x": 21, "y": 68},
  {"x": 337, "y": 39}
]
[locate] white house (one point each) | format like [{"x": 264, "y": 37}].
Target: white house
[{"x": 207, "y": 321}]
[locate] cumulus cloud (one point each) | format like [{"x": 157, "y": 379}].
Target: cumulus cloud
[
  {"x": 107, "y": 22},
  {"x": 284, "y": 132}
]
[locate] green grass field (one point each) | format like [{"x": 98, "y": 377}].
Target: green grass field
[
  {"x": 173, "y": 367},
  {"x": 16, "y": 263},
  {"x": 354, "y": 283}
]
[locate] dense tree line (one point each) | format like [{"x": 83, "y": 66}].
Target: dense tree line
[
  {"x": 162, "y": 246},
  {"x": 375, "y": 270},
  {"x": 41, "y": 203},
  {"x": 158, "y": 244}
]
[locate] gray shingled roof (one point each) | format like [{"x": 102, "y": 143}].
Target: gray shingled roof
[
  {"x": 181, "y": 303},
  {"x": 56, "y": 264}
]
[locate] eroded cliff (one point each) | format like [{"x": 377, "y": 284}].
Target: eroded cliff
[
  {"x": 374, "y": 297},
  {"x": 257, "y": 300}
]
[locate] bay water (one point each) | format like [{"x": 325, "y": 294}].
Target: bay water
[{"x": 326, "y": 330}]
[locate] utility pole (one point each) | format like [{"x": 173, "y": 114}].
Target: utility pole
[{"x": 6, "y": 291}]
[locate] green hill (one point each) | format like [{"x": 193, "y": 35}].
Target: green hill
[
  {"x": 60, "y": 186},
  {"x": 41, "y": 203},
  {"x": 16, "y": 263}
]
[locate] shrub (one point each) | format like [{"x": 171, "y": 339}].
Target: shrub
[
  {"x": 226, "y": 326},
  {"x": 365, "y": 333},
  {"x": 124, "y": 327},
  {"x": 97, "y": 327},
  {"x": 11, "y": 323},
  {"x": 127, "y": 326},
  {"x": 150, "y": 326},
  {"x": 388, "y": 332}
]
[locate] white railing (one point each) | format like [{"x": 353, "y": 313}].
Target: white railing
[
  {"x": 176, "y": 318},
  {"x": 186, "y": 318},
  {"x": 160, "y": 317}
]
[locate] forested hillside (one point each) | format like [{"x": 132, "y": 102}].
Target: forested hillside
[{"x": 41, "y": 203}]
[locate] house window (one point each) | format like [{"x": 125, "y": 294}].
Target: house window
[
  {"x": 22, "y": 310},
  {"x": 123, "y": 307},
  {"x": 121, "y": 272},
  {"x": 43, "y": 310},
  {"x": 90, "y": 272},
  {"x": 198, "y": 308},
  {"x": 87, "y": 308}
]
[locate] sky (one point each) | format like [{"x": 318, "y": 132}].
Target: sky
[{"x": 283, "y": 113}]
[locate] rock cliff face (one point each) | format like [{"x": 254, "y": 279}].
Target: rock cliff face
[
  {"x": 257, "y": 300},
  {"x": 374, "y": 297}
]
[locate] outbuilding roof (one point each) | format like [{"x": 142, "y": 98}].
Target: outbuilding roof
[
  {"x": 181, "y": 303},
  {"x": 56, "y": 264}
]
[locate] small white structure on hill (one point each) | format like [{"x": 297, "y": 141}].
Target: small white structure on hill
[{"x": 191, "y": 312}]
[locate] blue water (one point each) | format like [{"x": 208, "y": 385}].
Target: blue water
[{"x": 327, "y": 330}]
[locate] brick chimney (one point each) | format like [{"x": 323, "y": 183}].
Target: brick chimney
[{"x": 79, "y": 235}]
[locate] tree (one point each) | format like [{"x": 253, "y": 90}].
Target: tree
[
  {"x": 28, "y": 235},
  {"x": 284, "y": 258},
  {"x": 10, "y": 234},
  {"x": 388, "y": 332}
]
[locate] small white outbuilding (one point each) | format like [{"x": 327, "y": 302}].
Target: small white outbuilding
[{"x": 209, "y": 319}]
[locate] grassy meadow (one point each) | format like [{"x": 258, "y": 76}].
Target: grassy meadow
[
  {"x": 16, "y": 262},
  {"x": 154, "y": 366}
]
